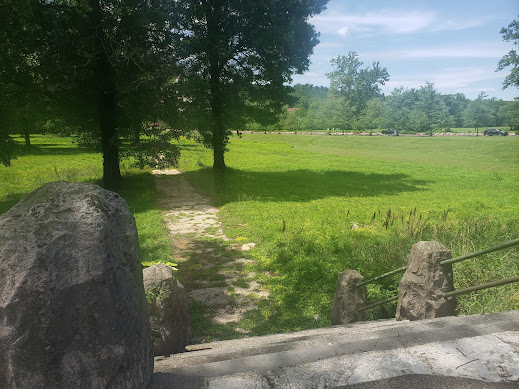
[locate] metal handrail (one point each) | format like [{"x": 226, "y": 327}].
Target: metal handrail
[
  {"x": 460, "y": 258},
  {"x": 482, "y": 286},
  {"x": 378, "y": 303},
  {"x": 402, "y": 269},
  {"x": 501, "y": 246},
  {"x": 396, "y": 271}
]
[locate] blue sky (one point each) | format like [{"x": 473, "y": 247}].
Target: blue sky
[{"x": 455, "y": 44}]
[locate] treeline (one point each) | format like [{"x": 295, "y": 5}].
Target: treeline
[{"x": 354, "y": 102}]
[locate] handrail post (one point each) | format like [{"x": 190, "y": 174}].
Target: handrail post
[
  {"x": 424, "y": 283},
  {"x": 348, "y": 298}
]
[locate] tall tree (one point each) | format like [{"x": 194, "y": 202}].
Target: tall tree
[
  {"x": 478, "y": 113},
  {"x": 510, "y": 34},
  {"x": 434, "y": 112},
  {"x": 356, "y": 84},
  {"x": 456, "y": 104},
  {"x": 236, "y": 57},
  {"x": 94, "y": 57},
  {"x": 509, "y": 114},
  {"x": 400, "y": 104},
  {"x": 17, "y": 75}
]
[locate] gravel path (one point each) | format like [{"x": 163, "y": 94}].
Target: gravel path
[{"x": 212, "y": 267}]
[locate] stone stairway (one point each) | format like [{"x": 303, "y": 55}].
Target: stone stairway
[{"x": 484, "y": 348}]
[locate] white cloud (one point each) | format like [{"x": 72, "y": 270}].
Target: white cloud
[
  {"x": 400, "y": 23},
  {"x": 343, "y": 31},
  {"x": 455, "y": 52},
  {"x": 448, "y": 80},
  {"x": 463, "y": 50},
  {"x": 387, "y": 21}
]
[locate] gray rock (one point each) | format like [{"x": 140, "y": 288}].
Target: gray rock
[
  {"x": 73, "y": 312},
  {"x": 348, "y": 298},
  {"x": 169, "y": 310},
  {"x": 424, "y": 282}
]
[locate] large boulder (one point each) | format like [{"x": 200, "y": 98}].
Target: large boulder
[
  {"x": 169, "y": 310},
  {"x": 73, "y": 311},
  {"x": 424, "y": 283}
]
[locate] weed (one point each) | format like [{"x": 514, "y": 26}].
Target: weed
[{"x": 157, "y": 293}]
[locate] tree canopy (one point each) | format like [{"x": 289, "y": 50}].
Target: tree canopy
[
  {"x": 235, "y": 59},
  {"x": 510, "y": 34},
  {"x": 356, "y": 84},
  {"x": 105, "y": 62},
  {"x": 101, "y": 65}
]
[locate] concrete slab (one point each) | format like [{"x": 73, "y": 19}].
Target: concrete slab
[{"x": 483, "y": 348}]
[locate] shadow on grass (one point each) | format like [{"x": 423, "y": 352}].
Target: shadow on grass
[
  {"x": 298, "y": 185},
  {"x": 10, "y": 201},
  {"x": 217, "y": 276},
  {"x": 50, "y": 149}
]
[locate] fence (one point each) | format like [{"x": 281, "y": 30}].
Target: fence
[{"x": 444, "y": 265}]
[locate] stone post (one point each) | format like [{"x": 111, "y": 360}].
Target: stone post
[
  {"x": 169, "y": 310},
  {"x": 348, "y": 298},
  {"x": 424, "y": 282}
]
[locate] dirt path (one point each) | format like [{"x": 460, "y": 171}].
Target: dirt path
[{"x": 212, "y": 268}]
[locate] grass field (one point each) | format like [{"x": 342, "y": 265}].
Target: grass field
[{"x": 316, "y": 205}]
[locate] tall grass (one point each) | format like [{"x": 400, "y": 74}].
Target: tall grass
[{"x": 316, "y": 205}]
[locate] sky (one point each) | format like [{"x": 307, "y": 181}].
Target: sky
[{"x": 454, "y": 44}]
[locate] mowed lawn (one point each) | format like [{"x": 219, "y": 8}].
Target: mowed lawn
[{"x": 316, "y": 205}]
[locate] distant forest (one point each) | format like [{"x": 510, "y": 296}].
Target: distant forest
[{"x": 315, "y": 108}]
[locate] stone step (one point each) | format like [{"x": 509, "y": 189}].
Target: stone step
[{"x": 482, "y": 347}]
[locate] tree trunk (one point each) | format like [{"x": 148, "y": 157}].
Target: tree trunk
[
  {"x": 136, "y": 135},
  {"x": 218, "y": 147},
  {"x": 27, "y": 137},
  {"x": 106, "y": 101},
  {"x": 109, "y": 141},
  {"x": 219, "y": 139}
]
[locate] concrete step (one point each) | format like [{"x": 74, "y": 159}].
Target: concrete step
[{"x": 482, "y": 347}]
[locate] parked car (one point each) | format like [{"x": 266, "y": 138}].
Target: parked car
[
  {"x": 391, "y": 131},
  {"x": 495, "y": 132}
]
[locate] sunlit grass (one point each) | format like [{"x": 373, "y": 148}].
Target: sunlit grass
[{"x": 317, "y": 205}]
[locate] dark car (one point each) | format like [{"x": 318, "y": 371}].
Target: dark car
[
  {"x": 391, "y": 131},
  {"x": 495, "y": 132}
]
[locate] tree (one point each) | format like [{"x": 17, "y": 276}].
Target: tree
[
  {"x": 433, "y": 111},
  {"x": 456, "y": 104},
  {"x": 509, "y": 114},
  {"x": 373, "y": 116},
  {"x": 478, "y": 113},
  {"x": 95, "y": 60},
  {"x": 305, "y": 95},
  {"x": 16, "y": 69},
  {"x": 236, "y": 57},
  {"x": 400, "y": 104},
  {"x": 510, "y": 34},
  {"x": 355, "y": 84},
  {"x": 335, "y": 113}
]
